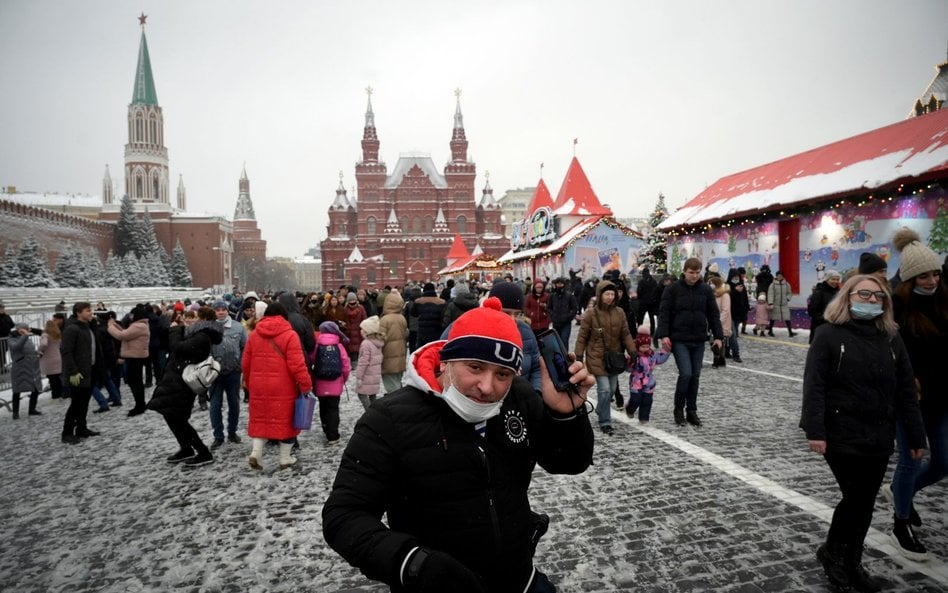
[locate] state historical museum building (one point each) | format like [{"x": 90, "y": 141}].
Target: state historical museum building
[{"x": 404, "y": 222}]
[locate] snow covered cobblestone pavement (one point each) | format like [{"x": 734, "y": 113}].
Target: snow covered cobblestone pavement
[{"x": 738, "y": 505}]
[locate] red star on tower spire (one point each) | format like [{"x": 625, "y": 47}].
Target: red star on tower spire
[{"x": 141, "y": 19}]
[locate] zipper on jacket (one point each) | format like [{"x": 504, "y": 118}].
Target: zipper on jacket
[
  {"x": 842, "y": 350},
  {"x": 494, "y": 520}
]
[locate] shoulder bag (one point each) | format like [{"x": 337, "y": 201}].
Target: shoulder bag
[{"x": 614, "y": 362}]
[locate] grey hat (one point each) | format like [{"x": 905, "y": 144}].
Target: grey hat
[{"x": 220, "y": 304}]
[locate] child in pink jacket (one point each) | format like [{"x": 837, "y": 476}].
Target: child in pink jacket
[
  {"x": 762, "y": 316},
  {"x": 641, "y": 380},
  {"x": 328, "y": 390},
  {"x": 369, "y": 371}
]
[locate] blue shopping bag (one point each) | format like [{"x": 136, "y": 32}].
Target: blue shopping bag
[{"x": 303, "y": 411}]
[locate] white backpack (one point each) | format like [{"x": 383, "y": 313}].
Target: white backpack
[{"x": 200, "y": 375}]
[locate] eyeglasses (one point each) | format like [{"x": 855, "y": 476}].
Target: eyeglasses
[{"x": 865, "y": 294}]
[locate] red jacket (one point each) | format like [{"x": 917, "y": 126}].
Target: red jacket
[
  {"x": 354, "y": 316},
  {"x": 275, "y": 373},
  {"x": 535, "y": 308}
]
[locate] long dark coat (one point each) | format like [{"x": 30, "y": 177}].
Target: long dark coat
[{"x": 188, "y": 346}]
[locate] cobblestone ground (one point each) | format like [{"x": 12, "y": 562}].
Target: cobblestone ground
[{"x": 738, "y": 505}]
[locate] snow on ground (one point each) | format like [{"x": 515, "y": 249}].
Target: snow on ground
[{"x": 109, "y": 515}]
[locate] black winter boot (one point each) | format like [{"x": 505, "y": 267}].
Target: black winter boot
[
  {"x": 906, "y": 542},
  {"x": 16, "y": 406},
  {"x": 679, "y": 417},
  {"x": 33, "y": 411},
  {"x": 693, "y": 419},
  {"x": 859, "y": 578},
  {"x": 832, "y": 557},
  {"x": 790, "y": 330},
  {"x": 770, "y": 330}
]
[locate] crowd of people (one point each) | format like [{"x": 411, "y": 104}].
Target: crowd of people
[{"x": 458, "y": 408}]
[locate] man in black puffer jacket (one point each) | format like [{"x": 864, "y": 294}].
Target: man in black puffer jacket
[
  {"x": 429, "y": 309},
  {"x": 687, "y": 311},
  {"x": 449, "y": 459}
]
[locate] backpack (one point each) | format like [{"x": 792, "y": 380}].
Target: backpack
[
  {"x": 200, "y": 375},
  {"x": 328, "y": 362}
]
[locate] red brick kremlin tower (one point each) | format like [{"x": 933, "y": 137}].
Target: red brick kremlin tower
[
  {"x": 250, "y": 250},
  {"x": 403, "y": 224}
]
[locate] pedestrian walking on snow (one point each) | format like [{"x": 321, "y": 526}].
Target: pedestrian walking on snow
[
  {"x": 369, "y": 372},
  {"x": 858, "y": 380}
]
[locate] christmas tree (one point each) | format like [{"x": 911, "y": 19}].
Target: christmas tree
[
  {"x": 34, "y": 269},
  {"x": 125, "y": 228},
  {"x": 180, "y": 273},
  {"x": 134, "y": 270},
  {"x": 654, "y": 251},
  {"x": 11, "y": 271},
  {"x": 732, "y": 242},
  {"x": 938, "y": 238}
]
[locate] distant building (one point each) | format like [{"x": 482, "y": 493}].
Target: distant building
[
  {"x": 513, "y": 206},
  {"x": 404, "y": 223},
  {"x": 211, "y": 242},
  {"x": 935, "y": 94},
  {"x": 308, "y": 272},
  {"x": 250, "y": 250}
]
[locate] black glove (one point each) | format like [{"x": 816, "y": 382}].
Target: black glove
[{"x": 430, "y": 571}]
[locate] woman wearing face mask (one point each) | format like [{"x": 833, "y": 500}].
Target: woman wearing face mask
[
  {"x": 921, "y": 310},
  {"x": 858, "y": 380}
]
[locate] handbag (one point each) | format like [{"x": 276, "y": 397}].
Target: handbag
[
  {"x": 303, "y": 410},
  {"x": 200, "y": 375},
  {"x": 614, "y": 362}
]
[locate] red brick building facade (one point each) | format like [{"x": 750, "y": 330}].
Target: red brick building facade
[{"x": 404, "y": 223}]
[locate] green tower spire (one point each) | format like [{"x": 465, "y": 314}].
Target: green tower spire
[{"x": 144, "y": 91}]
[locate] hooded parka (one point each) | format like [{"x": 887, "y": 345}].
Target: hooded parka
[
  {"x": 604, "y": 327},
  {"x": 276, "y": 373},
  {"x": 393, "y": 326}
]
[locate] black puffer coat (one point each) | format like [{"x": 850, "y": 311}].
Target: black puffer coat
[
  {"x": 857, "y": 382},
  {"x": 446, "y": 488},
  {"x": 822, "y": 294},
  {"x": 687, "y": 312},
  {"x": 563, "y": 307},
  {"x": 429, "y": 309},
  {"x": 188, "y": 346}
]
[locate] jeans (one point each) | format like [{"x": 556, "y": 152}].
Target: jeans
[
  {"x": 605, "y": 388},
  {"x": 732, "y": 342},
  {"x": 859, "y": 478},
  {"x": 100, "y": 399},
  {"x": 115, "y": 396},
  {"x": 564, "y": 333},
  {"x": 228, "y": 383},
  {"x": 643, "y": 402},
  {"x": 689, "y": 357},
  {"x": 912, "y": 475}
]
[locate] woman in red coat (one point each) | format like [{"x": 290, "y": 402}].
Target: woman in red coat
[
  {"x": 275, "y": 373},
  {"x": 355, "y": 315},
  {"x": 535, "y": 307}
]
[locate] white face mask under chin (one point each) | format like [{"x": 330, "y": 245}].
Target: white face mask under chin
[{"x": 468, "y": 409}]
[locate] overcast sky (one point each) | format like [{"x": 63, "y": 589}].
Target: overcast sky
[{"x": 663, "y": 96}]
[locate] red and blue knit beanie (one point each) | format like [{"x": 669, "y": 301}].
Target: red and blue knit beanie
[{"x": 485, "y": 334}]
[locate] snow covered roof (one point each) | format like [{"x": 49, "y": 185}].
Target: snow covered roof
[
  {"x": 937, "y": 88},
  {"x": 47, "y": 199},
  {"x": 409, "y": 160},
  {"x": 576, "y": 194},
  {"x": 909, "y": 149},
  {"x": 355, "y": 256}
]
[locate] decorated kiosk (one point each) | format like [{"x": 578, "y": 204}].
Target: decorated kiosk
[{"x": 573, "y": 233}]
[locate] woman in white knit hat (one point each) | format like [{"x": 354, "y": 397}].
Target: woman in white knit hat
[{"x": 921, "y": 310}]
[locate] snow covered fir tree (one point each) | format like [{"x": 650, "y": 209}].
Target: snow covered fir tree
[
  {"x": 654, "y": 249},
  {"x": 138, "y": 259}
]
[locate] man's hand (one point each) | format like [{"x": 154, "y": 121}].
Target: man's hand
[
  {"x": 667, "y": 344},
  {"x": 566, "y": 402},
  {"x": 430, "y": 571},
  {"x": 917, "y": 454},
  {"x": 718, "y": 344},
  {"x": 75, "y": 380},
  {"x": 817, "y": 446}
]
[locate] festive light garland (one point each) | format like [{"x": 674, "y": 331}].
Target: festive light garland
[{"x": 795, "y": 211}]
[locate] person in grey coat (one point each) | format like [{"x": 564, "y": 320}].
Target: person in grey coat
[
  {"x": 25, "y": 375},
  {"x": 778, "y": 301}
]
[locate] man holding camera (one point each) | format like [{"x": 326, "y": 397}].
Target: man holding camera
[{"x": 449, "y": 458}]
